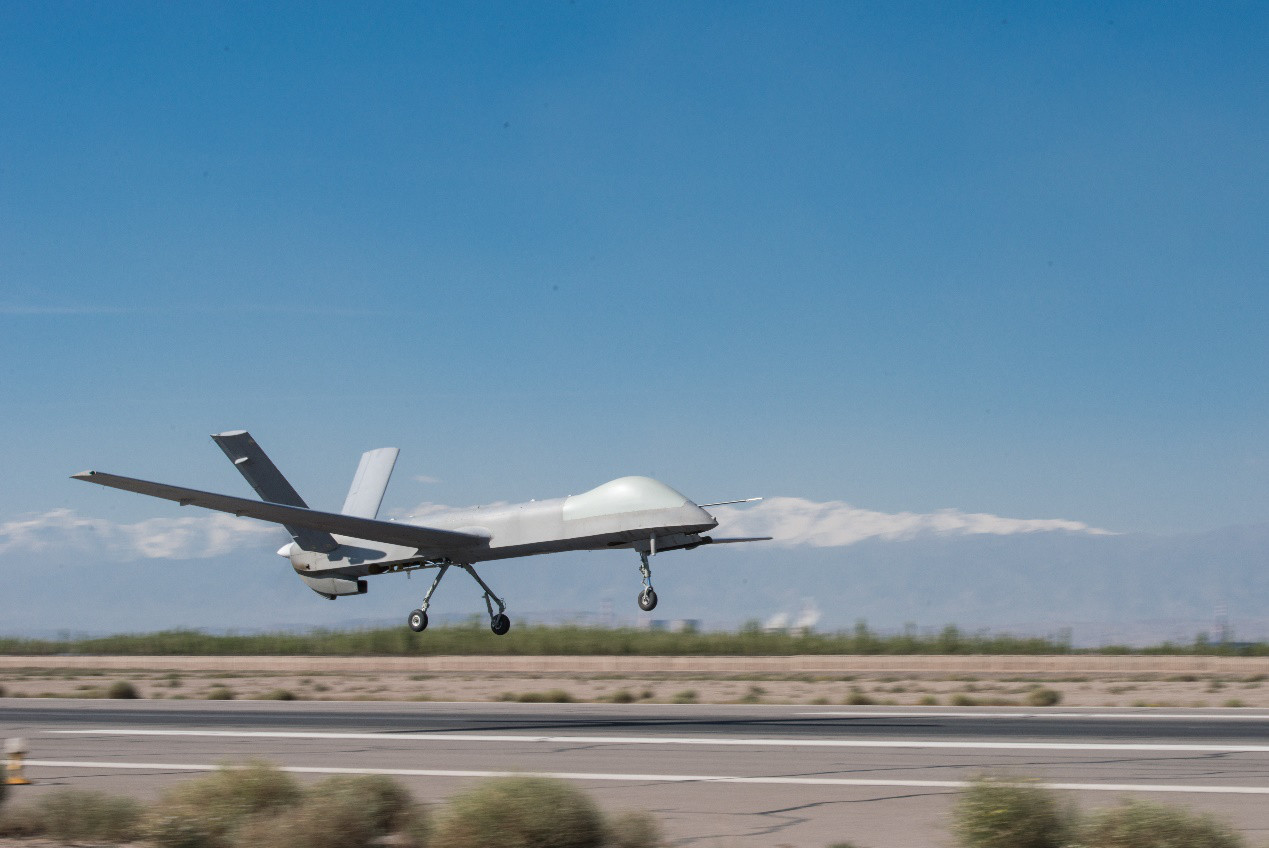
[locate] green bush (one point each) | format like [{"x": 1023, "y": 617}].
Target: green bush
[
  {"x": 521, "y": 812},
  {"x": 999, "y": 814},
  {"x": 121, "y": 689},
  {"x": 621, "y": 696},
  {"x": 278, "y": 695},
  {"x": 204, "y": 813},
  {"x": 1141, "y": 824},
  {"x": 1042, "y": 697},
  {"x": 220, "y": 693},
  {"x": 634, "y": 829},
  {"x": 687, "y": 696}
]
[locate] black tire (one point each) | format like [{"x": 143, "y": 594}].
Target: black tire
[
  {"x": 417, "y": 621},
  {"x": 647, "y": 600},
  {"x": 500, "y": 624}
]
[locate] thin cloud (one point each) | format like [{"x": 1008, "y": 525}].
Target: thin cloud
[
  {"x": 796, "y": 522},
  {"x": 193, "y": 537},
  {"x": 793, "y": 522}
]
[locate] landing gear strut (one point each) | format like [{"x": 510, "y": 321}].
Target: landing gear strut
[
  {"x": 498, "y": 621},
  {"x": 647, "y": 597}
]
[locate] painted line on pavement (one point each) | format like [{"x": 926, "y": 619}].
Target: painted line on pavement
[
  {"x": 1113, "y": 716},
  {"x": 663, "y": 778},
  {"x": 725, "y": 741}
]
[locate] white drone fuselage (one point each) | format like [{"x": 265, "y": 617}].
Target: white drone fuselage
[{"x": 631, "y": 512}]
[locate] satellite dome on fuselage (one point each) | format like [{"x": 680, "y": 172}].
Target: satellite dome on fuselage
[{"x": 625, "y": 494}]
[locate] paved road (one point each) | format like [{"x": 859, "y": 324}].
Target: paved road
[{"x": 716, "y": 775}]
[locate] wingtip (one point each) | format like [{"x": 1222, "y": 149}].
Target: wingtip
[
  {"x": 83, "y": 475},
  {"x": 228, "y": 433}
]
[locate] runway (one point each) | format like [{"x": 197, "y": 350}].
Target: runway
[{"x": 714, "y": 775}]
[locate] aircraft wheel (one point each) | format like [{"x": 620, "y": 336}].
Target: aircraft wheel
[
  {"x": 417, "y": 621},
  {"x": 500, "y": 624},
  {"x": 647, "y": 600}
]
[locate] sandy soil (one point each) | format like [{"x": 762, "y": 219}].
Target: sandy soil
[{"x": 1111, "y": 690}]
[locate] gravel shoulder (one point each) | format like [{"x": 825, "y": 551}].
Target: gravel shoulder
[{"x": 907, "y": 681}]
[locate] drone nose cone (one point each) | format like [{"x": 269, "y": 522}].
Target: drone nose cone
[{"x": 701, "y": 516}]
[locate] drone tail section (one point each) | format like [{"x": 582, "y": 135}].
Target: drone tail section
[
  {"x": 258, "y": 470},
  {"x": 370, "y": 482}
]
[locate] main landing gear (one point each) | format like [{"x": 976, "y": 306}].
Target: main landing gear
[
  {"x": 498, "y": 622},
  {"x": 647, "y": 597}
]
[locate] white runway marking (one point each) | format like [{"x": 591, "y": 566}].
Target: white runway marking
[
  {"x": 724, "y": 741},
  {"x": 1114, "y": 716},
  {"x": 664, "y": 778}
]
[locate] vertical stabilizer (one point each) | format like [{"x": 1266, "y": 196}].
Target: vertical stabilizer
[
  {"x": 368, "y": 485},
  {"x": 254, "y": 464}
]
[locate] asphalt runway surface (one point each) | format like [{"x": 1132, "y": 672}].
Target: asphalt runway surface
[{"x": 714, "y": 775}]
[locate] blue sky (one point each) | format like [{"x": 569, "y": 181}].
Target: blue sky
[{"x": 1007, "y": 258}]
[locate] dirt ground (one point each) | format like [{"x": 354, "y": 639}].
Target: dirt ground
[{"x": 928, "y": 689}]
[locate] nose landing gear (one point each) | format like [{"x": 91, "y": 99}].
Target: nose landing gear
[{"x": 647, "y": 597}]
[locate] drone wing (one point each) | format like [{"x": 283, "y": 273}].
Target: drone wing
[{"x": 388, "y": 532}]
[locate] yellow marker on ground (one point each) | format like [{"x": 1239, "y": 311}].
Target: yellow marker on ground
[{"x": 15, "y": 750}]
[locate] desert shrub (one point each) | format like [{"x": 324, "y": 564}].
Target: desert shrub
[
  {"x": 121, "y": 689},
  {"x": 341, "y": 812},
  {"x": 928, "y": 701},
  {"x": 76, "y": 814},
  {"x": 204, "y": 813},
  {"x": 21, "y": 822},
  {"x": 1141, "y": 824},
  {"x": 633, "y": 829},
  {"x": 1042, "y": 697},
  {"x": 308, "y": 825},
  {"x": 621, "y": 696},
  {"x": 687, "y": 696},
  {"x": 388, "y": 806},
  {"x": 220, "y": 693},
  {"x": 2, "y": 691},
  {"x": 521, "y": 812},
  {"x": 550, "y": 696},
  {"x": 858, "y": 697},
  {"x": 278, "y": 695},
  {"x": 999, "y": 814}
]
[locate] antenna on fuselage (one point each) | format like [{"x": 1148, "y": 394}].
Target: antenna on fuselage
[{"x": 724, "y": 503}]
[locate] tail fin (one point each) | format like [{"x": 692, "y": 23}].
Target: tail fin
[
  {"x": 252, "y": 462},
  {"x": 371, "y": 480}
]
